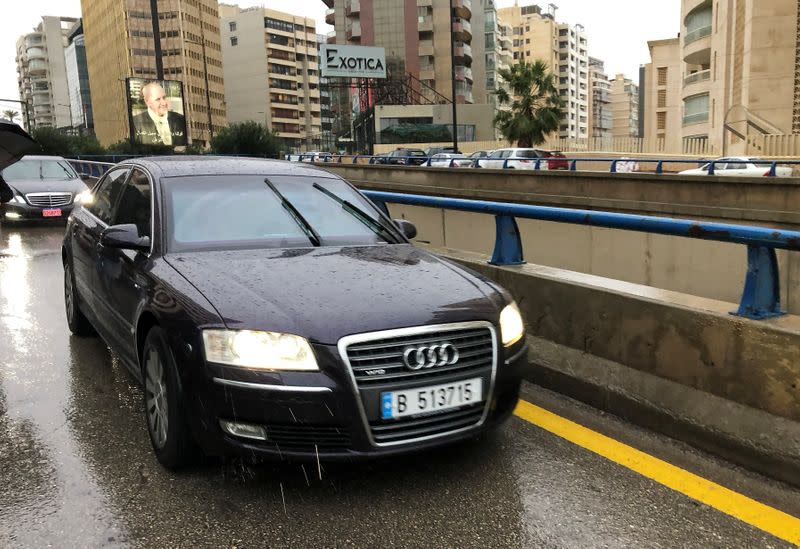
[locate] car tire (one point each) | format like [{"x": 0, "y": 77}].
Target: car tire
[
  {"x": 164, "y": 407},
  {"x": 78, "y": 324}
]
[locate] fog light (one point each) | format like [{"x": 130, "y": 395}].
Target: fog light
[
  {"x": 12, "y": 215},
  {"x": 244, "y": 430}
]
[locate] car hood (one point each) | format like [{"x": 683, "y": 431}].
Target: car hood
[
  {"x": 25, "y": 186},
  {"x": 326, "y": 293}
]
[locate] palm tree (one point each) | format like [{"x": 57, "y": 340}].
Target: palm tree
[
  {"x": 535, "y": 105},
  {"x": 11, "y": 115}
]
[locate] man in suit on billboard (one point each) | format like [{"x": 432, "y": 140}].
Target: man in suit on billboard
[{"x": 158, "y": 125}]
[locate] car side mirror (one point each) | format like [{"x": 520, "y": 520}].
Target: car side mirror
[
  {"x": 407, "y": 227},
  {"x": 125, "y": 237}
]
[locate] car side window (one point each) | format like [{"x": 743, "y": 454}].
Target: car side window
[
  {"x": 735, "y": 166},
  {"x": 107, "y": 194},
  {"x": 135, "y": 204}
]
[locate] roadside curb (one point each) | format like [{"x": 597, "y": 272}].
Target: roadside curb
[{"x": 752, "y": 438}]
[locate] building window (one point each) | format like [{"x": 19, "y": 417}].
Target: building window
[
  {"x": 661, "y": 121},
  {"x": 527, "y": 40},
  {"x": 234, "y": 41},
  {"x": 662, "y": 99},
  {"x": 232, "y": 26},
  {"x": 662, "y": 76}
]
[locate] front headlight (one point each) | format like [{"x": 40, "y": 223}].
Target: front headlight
[
  {"x": 511, "y": 326},
  {"x": 85, "y": 198},
  {"x": 259, "y": 350}
]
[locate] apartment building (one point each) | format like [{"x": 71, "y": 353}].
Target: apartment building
[
  {"x": 499, "y": 54},
  {"x": 537, "y": 36},
  {"x": 271, "y": 66},
  {"x": 416, "y": 37},
  {"x": 600, "y": 116},
  {"x": 42, "y": 73},
  {"x": 624, "y": 107},
  {"x": 80, "y": 100},
  {"x": 732, "y": 74},
  {"x": 121, "y": 42}
]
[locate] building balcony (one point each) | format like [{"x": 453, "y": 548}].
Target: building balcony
[
  {"x": 698, "y": 51},
  {"x": 425, "y": 25},
  {"x": 696, "y": 35},
  {"x": 424, "y": 3},
  {"x": 33, "y": 39},
  {"x": 354, "y": 32},
  {"x": 462, "y": 8},
  {"x": 35, "y": 52},
  {"x": 463, "y": 51},
  {"x": 464, "y": 73},
  {"x": 37, "y": 66},
  {"x": 425, "y": 48},
  {"x": 696, "y": 118},
  {"x": 462, "y": 30},
  {"x": 330, "y": 16},
  {"x": 353, "y": 8},
  {"x": 331, "y": 37},
  {"x": 696, "y": 78},
  {"x": 427, "y": 73}
]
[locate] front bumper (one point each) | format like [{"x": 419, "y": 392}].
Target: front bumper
[
  {"x": 319, "y": 415},
  {"x": 14, "y": 211}
]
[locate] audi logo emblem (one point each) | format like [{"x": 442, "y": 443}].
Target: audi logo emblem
[{"x": 428, "y": 356}]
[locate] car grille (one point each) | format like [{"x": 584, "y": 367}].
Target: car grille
[
  {"x": 49, "y": 200},
  {"x": 377, "y": 365},
  {"x": 475, "y": 350},
  {"x": 307, "y": 437}
]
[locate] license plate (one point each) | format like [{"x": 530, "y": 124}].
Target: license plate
[
  {"x": 51, "y": 212},
  {"x": 434, "y": 398}
]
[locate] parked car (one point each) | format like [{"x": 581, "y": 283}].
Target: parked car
[
  {"x": 45, "y": 188},
  {"x": 430, "y": 151},
  {"x": 314, "y": 156},
  {"x": 443, "y": 160},
  {"x": 741, "y": 166},
  {"x": 525, "y": 159},
  {"x": 409, "y": 157},
  {"x": 297, "y": 321},
  {"x": 477, "y": 156}
]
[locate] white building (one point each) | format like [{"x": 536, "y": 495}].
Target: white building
[
  {"x": 42, "y": 73},
  {"x": 573, "y": 82}
]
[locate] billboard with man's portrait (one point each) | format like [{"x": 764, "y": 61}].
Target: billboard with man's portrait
[{"x": 155, "y": 111}]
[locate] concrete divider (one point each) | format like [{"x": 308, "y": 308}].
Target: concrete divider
[{"x": 676, "y": 363}]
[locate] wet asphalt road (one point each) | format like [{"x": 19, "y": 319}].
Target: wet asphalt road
[{"x": 77, "y": 470}]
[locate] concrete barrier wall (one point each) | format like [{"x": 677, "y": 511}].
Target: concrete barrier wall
[
  {"x": 702, "y": 268},
  {"x": 677, "y": 363}
]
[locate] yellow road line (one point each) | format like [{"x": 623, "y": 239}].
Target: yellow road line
[{"x": 766, "y": 518}]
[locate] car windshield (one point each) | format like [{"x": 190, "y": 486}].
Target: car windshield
[
  {"x": 414, "y": 152},
  {"x": 54, "y": 170},
  {"x": 526, "y": 153},
  {"x": 242, "y": 211}
]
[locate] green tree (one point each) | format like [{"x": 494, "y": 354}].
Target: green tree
[
  {"x": 247, "y": 138},
  {"x": 58, "y": 143},
  {"x": 10, "y": 114},
  {"x": 535, "y": 105}
]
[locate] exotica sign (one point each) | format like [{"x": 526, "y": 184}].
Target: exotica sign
[{"x": 352, "y": 61}]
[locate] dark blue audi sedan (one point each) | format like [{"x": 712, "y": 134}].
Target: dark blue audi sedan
[{"x": 269, "y": 308}]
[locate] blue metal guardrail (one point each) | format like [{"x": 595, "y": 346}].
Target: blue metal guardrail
[
  {"x": 761, "y": 293},
  {"x": 513, "y": 163}
]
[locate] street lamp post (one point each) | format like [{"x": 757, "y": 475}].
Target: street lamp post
[{"x": 453, "y": 73}]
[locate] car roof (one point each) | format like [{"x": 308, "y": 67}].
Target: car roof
[
  {"x": 41, "y": 157},
  {"x": 181, "y": 165}
]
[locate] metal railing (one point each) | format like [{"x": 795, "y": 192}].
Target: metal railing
[
  {"x": 696, "y": 35},
  {"x": 615, "y": 165},
  {"x": 696, "y": 118},
  {"x": 761, "y": 292},
  {"x": 698, "y": 76}
]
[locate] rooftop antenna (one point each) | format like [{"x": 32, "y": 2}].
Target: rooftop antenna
[{"x": 552, "y": 10}]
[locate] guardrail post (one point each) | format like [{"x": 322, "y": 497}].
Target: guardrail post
[
  {"x": 507, "y": 244},
  {"x": 452, "y": 162},
  {"x": 711, "y": 167},
  {"x": 476, "y": 163},
  {"x": 428, "y": 162},
  {"x": 573, "y": 166},
  {"x": 355, "y": 159},
  {"x": 536, "y": 166},
  {"x": 660, "y": 167},
  {"x": 773, "y": 170},
  {"x": 761, "y": 297},
  {"x": 613, "y": 168},
  {"x": 505, "y": 164}
]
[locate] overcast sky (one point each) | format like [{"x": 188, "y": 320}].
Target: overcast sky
[{"x": 618, "y": 30}]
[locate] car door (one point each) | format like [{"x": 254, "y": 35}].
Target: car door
[
  {"x": 494, "y": 160},
  {"x": 89, "y": 221},
  {"x": 737, "y": 166},
  {"x": 122, "y": 281}
]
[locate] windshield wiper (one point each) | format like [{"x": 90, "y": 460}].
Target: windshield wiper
[
  {"x": 376, "y": 226},
  {"x": 297, "y": 216}
]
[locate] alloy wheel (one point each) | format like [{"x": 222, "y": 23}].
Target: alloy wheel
[{"x": 156, "y": 398}]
